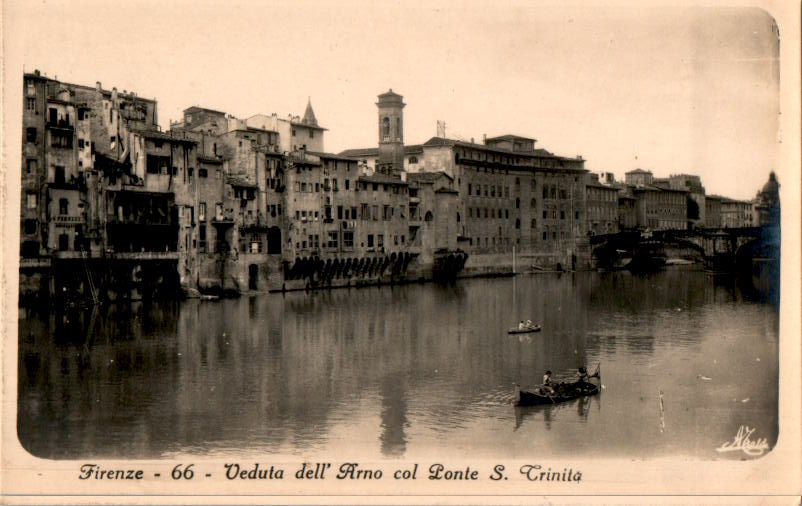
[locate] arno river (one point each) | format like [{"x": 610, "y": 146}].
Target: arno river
[{"x": 405, "y": 371}]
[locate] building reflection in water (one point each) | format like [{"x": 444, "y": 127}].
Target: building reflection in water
[{"x": 391, "y": 368}]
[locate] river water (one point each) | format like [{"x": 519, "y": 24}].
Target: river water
[{"x": 387, "y": 372}]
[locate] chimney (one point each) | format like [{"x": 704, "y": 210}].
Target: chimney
[
  {"x": 98, "y": 87},
  {"x": 37, "y": 73},
  {"x": 484, "y": 139},
  {"x": 472, "y": 140}
]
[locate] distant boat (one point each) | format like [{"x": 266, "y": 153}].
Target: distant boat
[
  {"x": 560, "y": 392},
  {"x": 525, "y": 330}
]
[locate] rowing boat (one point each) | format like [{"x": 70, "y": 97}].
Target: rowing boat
[
  {"x": 559, "y": 392},
  {"x": 525, "y": 330}
]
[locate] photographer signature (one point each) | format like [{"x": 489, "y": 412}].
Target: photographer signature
[{"x": 743, "y": 443}]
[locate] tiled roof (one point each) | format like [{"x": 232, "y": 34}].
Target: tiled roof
[
  {"x": 381, "y": 179},
  {"x": 330, "y": 155},
  {"x": 510, "y": 137},
  {"x": 426, "y": 177},
  {"x": 360, "y": 152}
]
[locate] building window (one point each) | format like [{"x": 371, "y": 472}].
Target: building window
[
  {"x": 385, "y": 129},
  {"x": 30, "y": 104},
  {"x": 545, "y": 214},
  {"x": 203, "y": 173},
  {"x": 534, "y": 223},
  {"x": 63, "y": 206},
  {"x": 31, "y": 200},
  {"x": 517, "y": 223},
  {"x": 202, "y": 211},
  {"x": 562, "y": 215},
  {"x": 532, "y": 203},
  {"x": 30, "y": 227},
  {"x": 370, "y": 240},
  {"x": 30, "y": 134},
  {"x": 517, "y": 203},
  {"x": 31, "y": 165}
]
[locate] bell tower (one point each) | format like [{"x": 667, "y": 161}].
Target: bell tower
[{"x": 391, "y": 133}]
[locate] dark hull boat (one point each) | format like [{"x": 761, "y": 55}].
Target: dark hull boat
[
  {"x": 525, "y": 330},
  {"x": 561, "y": 392}
]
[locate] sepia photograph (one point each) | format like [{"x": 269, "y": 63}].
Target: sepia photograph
[{"x": 334, "y": 251}]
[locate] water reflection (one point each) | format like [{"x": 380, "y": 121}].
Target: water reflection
[{"x": 404, "y": 370}]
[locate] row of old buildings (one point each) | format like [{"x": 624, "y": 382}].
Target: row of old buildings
[{"x": 115, "y": 207}]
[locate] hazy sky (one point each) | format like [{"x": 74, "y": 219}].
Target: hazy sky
[{"x": 671, "y": 90}]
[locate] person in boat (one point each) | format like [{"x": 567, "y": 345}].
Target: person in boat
[
  {"x": 583, "y": 375},
  {"x": 521, "y": 325},
  {"x": 548, "y": 386},
  {"x": 529, "y": 324}
]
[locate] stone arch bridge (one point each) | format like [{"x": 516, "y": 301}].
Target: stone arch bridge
[{"x": 723, "y": 248}]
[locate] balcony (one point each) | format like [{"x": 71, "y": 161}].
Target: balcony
[
  {"x": 60, "y": 124},
  {"x": 146, "y": 255},
  {"x": 223, "y": 219}
]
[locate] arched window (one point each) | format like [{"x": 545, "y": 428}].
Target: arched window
[
  {"x": 413, "y": 160},
  {"x": 532, "y": 203},
  {"x": 534, "y": 223},
  {"x": 553, "y": 192},
  {"x": 429, "y": 216},
  {"x": 545, "y": 192},
  {"x": 517, "y": 222},
  {"x": 517, "y": 203},
  {"x": 386, "y": 129},
  {"x": 458, "y": 218},
  {"x": 398, "y": 129}
]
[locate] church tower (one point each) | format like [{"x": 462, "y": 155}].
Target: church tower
[{"x": 391, "y": 133}]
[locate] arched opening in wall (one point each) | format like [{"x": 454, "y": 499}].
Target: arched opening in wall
[
  {"x": 253, "y": 276},
  {"x": 274, "y": 241},
  {"x": 459, "y": 218},
  {"x": 386, "y": 129},
  {"x": 429, "y": 216}
]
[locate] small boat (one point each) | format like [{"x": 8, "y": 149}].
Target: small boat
[
  {"x": 561, "y": 392},
  {"x": 525, "y": 330}
]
